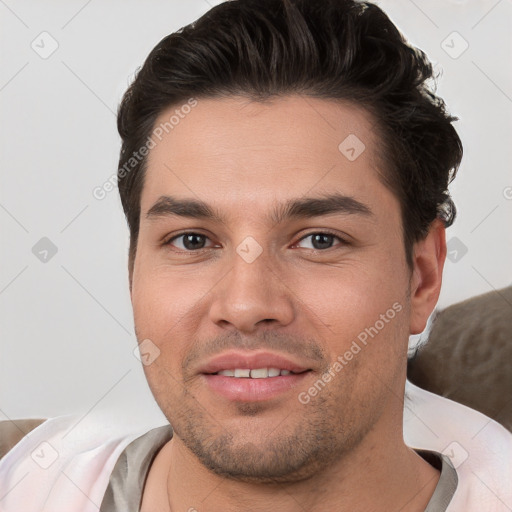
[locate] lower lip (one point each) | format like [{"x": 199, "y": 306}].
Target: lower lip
[{"x": 245, "y": 389}]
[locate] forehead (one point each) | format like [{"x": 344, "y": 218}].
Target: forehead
[{"x": 234, "y": 150}]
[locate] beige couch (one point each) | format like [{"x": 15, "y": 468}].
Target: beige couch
[
  {"x": 468, "y": 356},
  {"x": 11, "y": 431}
]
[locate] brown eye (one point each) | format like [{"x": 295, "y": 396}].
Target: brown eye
[
  {"x": 188, "y": 241},
  {"x": 321, "y": 240}
]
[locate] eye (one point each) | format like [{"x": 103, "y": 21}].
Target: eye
[
  {"x": 189, "y": 241},
  {"x": 321, "y": 240}
]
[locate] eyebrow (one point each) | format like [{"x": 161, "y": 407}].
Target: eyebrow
[{"x": 307, "y": 207}]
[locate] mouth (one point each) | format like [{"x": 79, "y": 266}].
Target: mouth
[
  {"x": 250, "y": 377},
  {"x": 253, "y": 389},
  {"x": 257, "y": 373}
]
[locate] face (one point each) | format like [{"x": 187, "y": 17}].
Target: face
[{"x": 295, "y": 262}]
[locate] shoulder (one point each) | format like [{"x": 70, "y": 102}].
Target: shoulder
[
  {"x": 63, "y": 463},
  {"x": 479, "y": 448}
]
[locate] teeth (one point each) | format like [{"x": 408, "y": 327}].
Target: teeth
[
  {"x": 260, "y": 373},
  {"x": 227, "y": 373},
  {"x": 257, "y": 373}
]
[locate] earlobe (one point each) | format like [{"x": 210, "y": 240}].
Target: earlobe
[{"x": 429, "y": 256}]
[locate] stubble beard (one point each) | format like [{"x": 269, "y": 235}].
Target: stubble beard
[{"x": 299, "y": 447}]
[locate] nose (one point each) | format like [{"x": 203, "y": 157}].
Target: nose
[{"x": 251, "y": 296}]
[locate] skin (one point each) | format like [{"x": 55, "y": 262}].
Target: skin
[{"x": 344, "y": 449}]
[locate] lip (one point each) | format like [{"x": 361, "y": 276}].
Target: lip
[
  {"x": 246, "y": 389},
  {"x": 250, "y": 360}
]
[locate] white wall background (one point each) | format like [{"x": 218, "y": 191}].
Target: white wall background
[{"x": 67, "y": 341}]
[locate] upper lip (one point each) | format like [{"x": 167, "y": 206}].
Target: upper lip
[{"x": 232, "y": 360}]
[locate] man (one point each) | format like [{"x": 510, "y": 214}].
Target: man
[{"x": 284, "y": 174}]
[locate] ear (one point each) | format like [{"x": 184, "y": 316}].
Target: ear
[{"x": 429, "y": 256}]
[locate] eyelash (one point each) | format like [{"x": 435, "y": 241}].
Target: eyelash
[{"x": 323, "y": 232}]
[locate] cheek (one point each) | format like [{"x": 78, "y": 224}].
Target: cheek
[
  {"x": 160, "y": 304},
  {"x": 366, "y": 339},
  {"x": 162, "y": 309},
  {"x": 169, "y": 305},
  {"x": 357, "y": 300}
]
